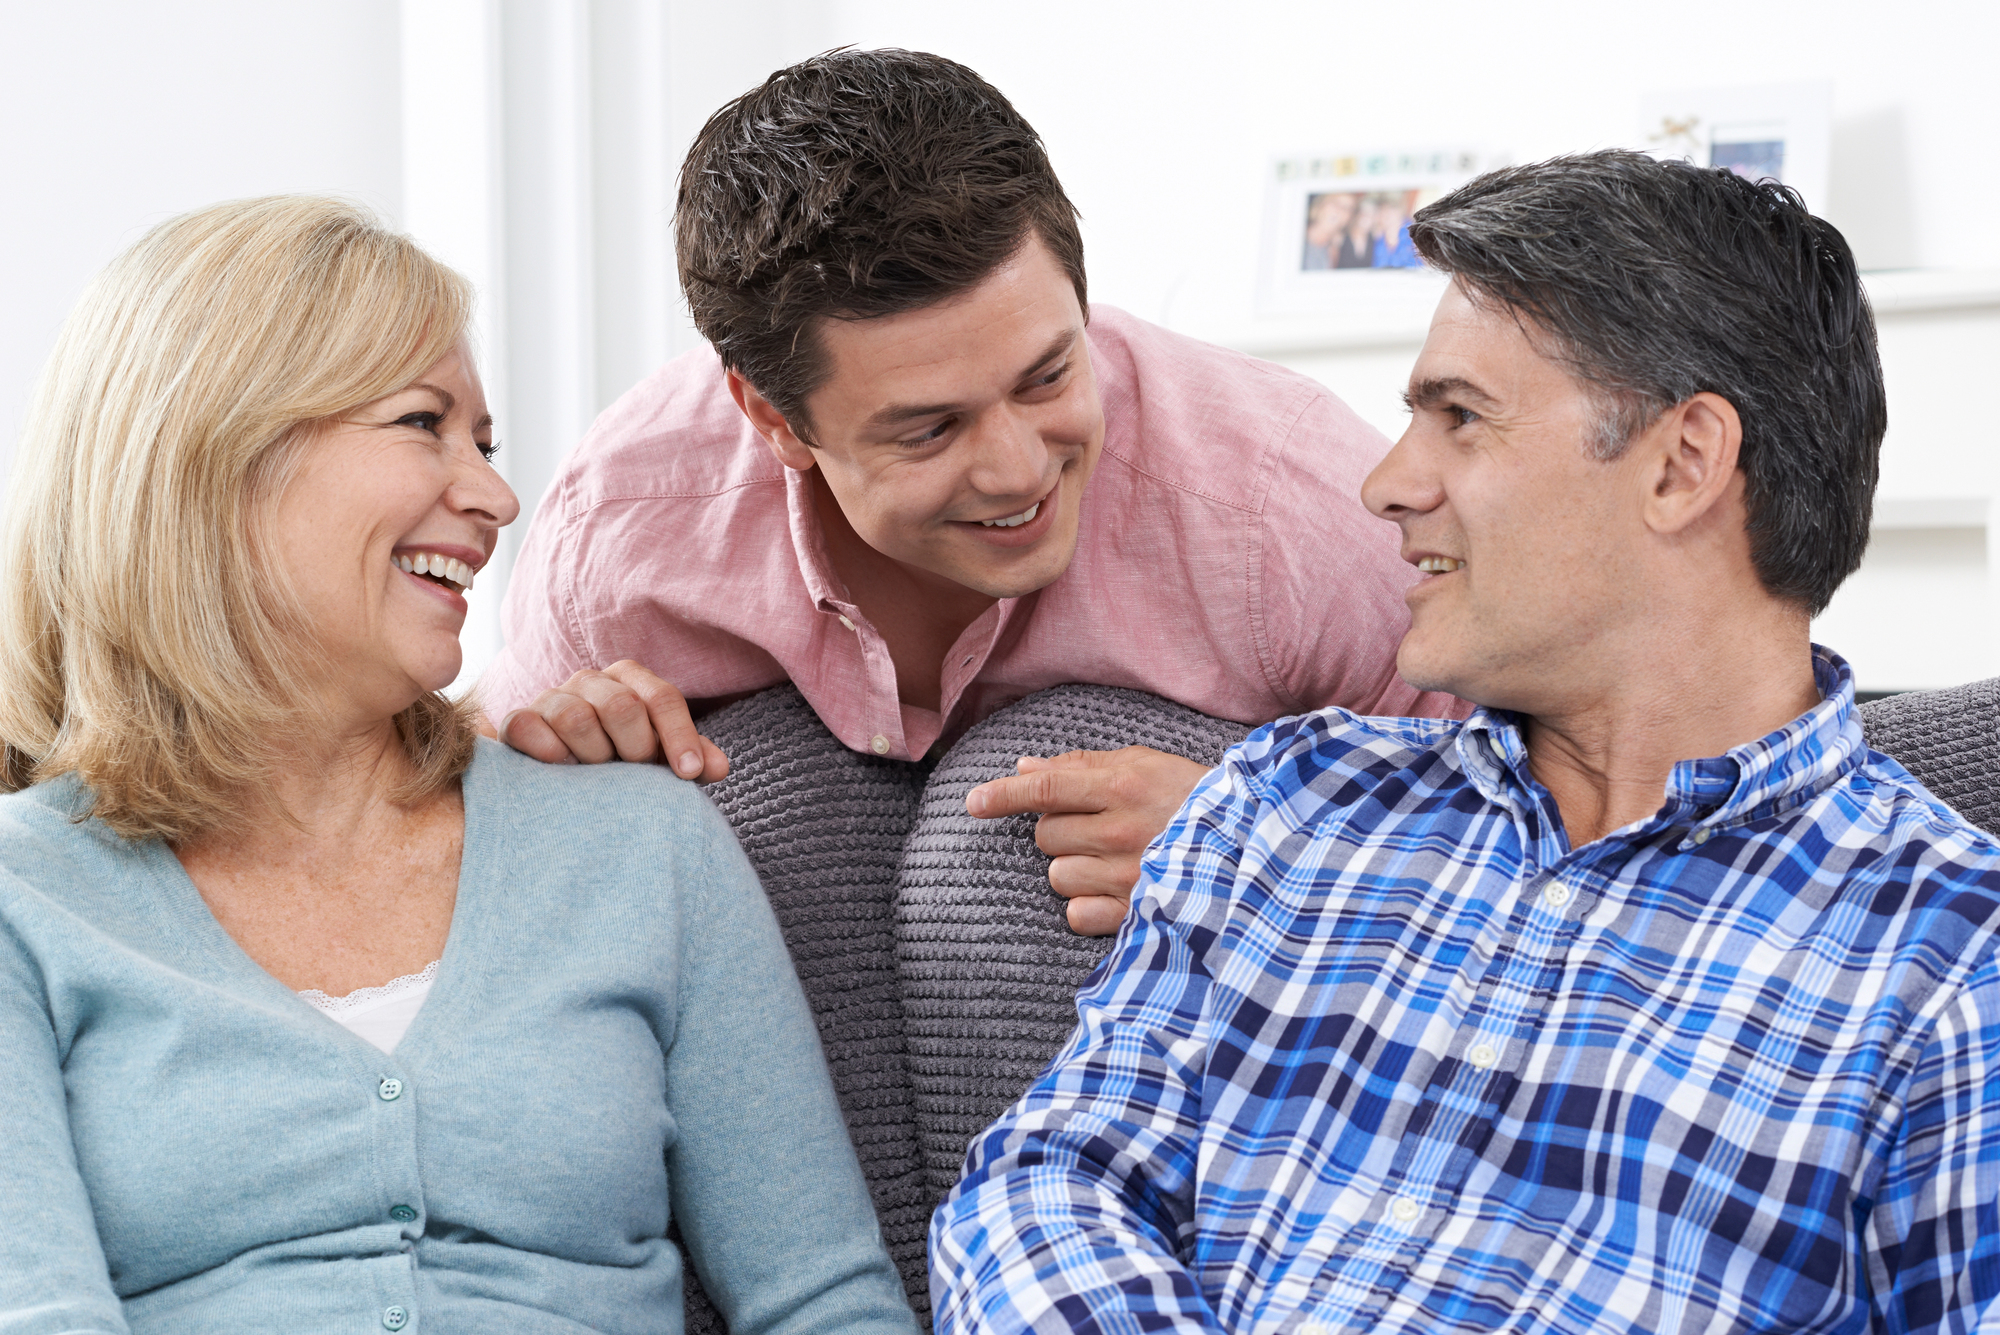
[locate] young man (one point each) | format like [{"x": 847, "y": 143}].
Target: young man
[
  {"x": 1645, "y": 999},
  {"x": 920, "y": 478}
]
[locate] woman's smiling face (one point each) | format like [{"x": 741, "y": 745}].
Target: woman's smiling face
[{"x": 396, "y": 487}]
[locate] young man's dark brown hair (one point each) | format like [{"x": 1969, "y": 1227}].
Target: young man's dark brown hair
[{"x": 852, "y": 185}]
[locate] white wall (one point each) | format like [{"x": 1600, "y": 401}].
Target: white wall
[{"x": 119, "y": 114}]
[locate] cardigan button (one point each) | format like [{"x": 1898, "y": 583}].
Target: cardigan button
[
  {"x": 402, "y": 1214},
  {"x": 395, "y": 1318},
  {"x": 390, "y": 1089}
]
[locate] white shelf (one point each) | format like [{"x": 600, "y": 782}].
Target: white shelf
[
  {"x": 1399, "y": 316},
  {"x": 1906, "y": 512}
]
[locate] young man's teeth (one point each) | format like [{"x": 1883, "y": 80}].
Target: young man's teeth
[
  {"x": 1013, "y": 521},
  {"x": 449, "y": 569},
  {"x": 1439, "y": 565}
]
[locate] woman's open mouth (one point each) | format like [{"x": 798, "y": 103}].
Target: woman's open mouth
[{"x": 445, "y": 571}]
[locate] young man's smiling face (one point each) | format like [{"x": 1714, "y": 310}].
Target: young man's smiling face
[{"x": 957, "y": 438}]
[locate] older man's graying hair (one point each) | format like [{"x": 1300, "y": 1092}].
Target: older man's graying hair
[{"x": 1656, "y": 281}]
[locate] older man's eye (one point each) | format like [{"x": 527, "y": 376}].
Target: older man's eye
[{"x": 1461, "y": 416}]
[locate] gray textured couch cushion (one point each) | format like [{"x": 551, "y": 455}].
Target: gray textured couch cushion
[
  {"x": 824, "y": 827},
  {"x": 1950, "y": 740},
  {"x": 990, "y": 968}
]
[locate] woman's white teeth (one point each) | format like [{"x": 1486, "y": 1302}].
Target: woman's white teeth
[
  {"x": 447, "y": 568},
  {"x": 1439, "y": 565},
  {"x": 1013, "y": 521}
]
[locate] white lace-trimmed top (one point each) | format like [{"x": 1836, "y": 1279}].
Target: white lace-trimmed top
[{"x": 379, "y": 1014}]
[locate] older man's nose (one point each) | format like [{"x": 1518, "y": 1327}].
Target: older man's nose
[{"x": 1400, "y": 486}]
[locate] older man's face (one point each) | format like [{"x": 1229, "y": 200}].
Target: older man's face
[{"x": 1529, "y": 546}]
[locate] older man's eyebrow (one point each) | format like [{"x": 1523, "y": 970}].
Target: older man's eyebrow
[
  {"x": 895, "y": 414},
  {"x": 1439, "y": 390}
]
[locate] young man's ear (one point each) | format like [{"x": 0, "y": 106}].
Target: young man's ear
[
  {"x": 1690, "y": 461},
  {"x": 770, "y": 424}
]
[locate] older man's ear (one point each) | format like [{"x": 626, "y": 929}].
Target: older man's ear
[{"x": 1689, "y": 465}]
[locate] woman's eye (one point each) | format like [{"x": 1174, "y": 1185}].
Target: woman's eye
[
  {"x": 487, "y": 449},
  {"x": 421, "y": 421}
]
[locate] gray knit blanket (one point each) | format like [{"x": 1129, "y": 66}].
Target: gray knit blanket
[
  {"x": 935, "y": 956},
  {"x": 931, "y": 949},
  {"x": 1950, "y": 740}
]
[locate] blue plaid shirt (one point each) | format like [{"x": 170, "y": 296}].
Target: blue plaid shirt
[{"x": 1379, "y": 1051}]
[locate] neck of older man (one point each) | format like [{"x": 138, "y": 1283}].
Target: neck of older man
[{"x": 1700, "y": 674}]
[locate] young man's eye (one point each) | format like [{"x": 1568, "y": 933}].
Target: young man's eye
[
  {"x": 1053, "y": 377},
  {"x": 930, "y": 437}
]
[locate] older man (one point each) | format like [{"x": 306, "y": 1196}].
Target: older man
[{"x": 1646, "y": 998}]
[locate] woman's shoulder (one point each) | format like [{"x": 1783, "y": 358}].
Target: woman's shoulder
[
  {"x": 615, "y": 812},
  {"x": 53, "y": 854},
  {"x": 53, "y": 818}
]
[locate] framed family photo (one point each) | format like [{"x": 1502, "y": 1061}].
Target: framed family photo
[{"x": 1337, "y": 224}]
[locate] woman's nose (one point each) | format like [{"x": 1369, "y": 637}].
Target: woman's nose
[{"x": 480, "y": 490}]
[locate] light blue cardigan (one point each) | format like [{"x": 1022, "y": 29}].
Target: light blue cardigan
[{"x": 187, "y": 1146}]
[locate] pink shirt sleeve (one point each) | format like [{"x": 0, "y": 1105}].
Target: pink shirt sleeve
[
  {"x": 542, "y": 645},
  {"x": 1327, "y": 592}
]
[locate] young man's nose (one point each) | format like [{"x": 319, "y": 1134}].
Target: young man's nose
[{"x": 1010, "y": 457}]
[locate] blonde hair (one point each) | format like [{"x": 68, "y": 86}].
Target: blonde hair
[{"x": 148, "y": 643}]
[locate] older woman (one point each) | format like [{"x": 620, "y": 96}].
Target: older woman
[{"x": 316, "y": 1012}]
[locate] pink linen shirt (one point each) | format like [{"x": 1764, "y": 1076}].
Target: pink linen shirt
[{"x": 1224, "y": 560}]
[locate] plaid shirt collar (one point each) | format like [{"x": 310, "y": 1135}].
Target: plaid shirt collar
[{"x": 1757, "y": 779}]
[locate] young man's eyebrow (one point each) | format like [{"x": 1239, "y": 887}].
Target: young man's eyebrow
[
  {"x": 1432, "y": 392},
  {"x": 895, "y": 414},
  {"x": 1058, "y": 345}
]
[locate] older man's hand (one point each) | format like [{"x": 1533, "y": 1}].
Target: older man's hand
[
  {"x": 621, "y": 713},
  {"x": 1099, "y": 811}
]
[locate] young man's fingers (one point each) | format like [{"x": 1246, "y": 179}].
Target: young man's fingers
[
  {"x": 1093, "y": 834},
  {"x": 1041, "y": 790},
  {"x": 574, "y": 720},
  {"x": 530, "y": 734},
  {"x": 1075, "y": 876},
  {"x": 1096, "y": 915},
  {"x": 622, "y": 715},
  {"x": 714, "y": 764},
  {"x": 685, "y": 749}
]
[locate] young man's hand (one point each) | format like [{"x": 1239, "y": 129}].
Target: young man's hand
[
  {"x": 622, "y": 713},
  {"x": 1099, "y": 811}
]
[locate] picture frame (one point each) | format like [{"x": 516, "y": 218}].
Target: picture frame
[
  {"x": 1337, "y": 224},
  {"x": 1778, "y": 132}
]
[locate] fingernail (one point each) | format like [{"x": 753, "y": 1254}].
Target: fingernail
[
  {"x": 975, "y": 802},
  {"x": 688, "y": 765}
]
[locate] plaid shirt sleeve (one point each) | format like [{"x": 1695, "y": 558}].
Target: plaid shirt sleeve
[
  {"x": 1076, "y": 1205},
  {"x": 1933, "y": 1235}
]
